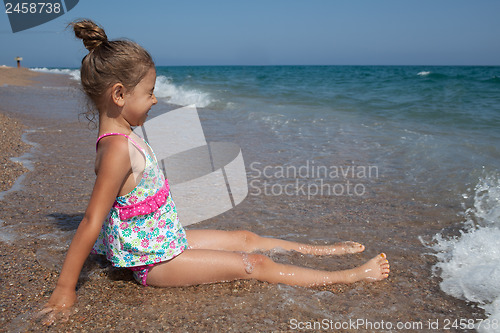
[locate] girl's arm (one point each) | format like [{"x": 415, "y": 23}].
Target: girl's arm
[{"x": 113, "y": 168}]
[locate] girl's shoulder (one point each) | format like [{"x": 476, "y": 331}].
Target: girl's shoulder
[
  {"x": 132, "y": 139},
  {"x": 113, "y": 152},
  {"x": 108, "y": 138}
]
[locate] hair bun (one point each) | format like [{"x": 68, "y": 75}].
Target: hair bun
[{"x": 91, "y": 34}]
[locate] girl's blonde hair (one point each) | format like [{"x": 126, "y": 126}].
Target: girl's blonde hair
[{"x": 108, "y": 62}]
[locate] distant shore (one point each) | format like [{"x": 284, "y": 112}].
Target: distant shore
[{"x": 17, "y": 76}]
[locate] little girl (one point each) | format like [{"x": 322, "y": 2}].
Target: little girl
[{"x": 131, "y": 217}]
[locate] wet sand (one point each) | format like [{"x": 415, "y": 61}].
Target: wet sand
[
  {"x": 39, "y": 220},
  {"x": 11, "y": 146}
]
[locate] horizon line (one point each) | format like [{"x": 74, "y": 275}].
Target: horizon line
[{"x": 284, "y": 65}]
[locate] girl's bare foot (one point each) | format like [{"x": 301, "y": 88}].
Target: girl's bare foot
[{"x": 375, "y": 269}]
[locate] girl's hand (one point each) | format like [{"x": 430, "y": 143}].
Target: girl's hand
[{"x": 58, "y": 308}]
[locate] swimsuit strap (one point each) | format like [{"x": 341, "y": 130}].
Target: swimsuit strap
[{"x": 125, "y": 135}]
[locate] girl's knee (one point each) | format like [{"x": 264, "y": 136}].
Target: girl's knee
[
  {"x": 255, "y": 262},
  {"x": 246, "y": 237}
]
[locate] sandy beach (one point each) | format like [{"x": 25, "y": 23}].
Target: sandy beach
[
  {"x": 17, "y": 76},
  {"x": 12, "y": 146},
  {"x": 38, "y": 220}
]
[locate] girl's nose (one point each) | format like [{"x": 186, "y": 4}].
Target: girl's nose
[{"x": 154, "y": 100}]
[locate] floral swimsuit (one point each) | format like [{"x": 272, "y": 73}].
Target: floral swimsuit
[{"x": 142, "y": 228}]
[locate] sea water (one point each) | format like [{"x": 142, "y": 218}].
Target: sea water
[{"x": 432, "y": 132}]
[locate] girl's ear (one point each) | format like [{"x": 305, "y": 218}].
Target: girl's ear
[{"x": 118, "y": 94}]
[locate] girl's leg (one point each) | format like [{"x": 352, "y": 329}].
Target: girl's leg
[
  {"x": 194, "y": 267},
  {"x": 247, "y": 241}
]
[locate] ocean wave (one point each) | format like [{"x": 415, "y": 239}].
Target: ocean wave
[
  {"x": 74, "y": 73},
  {"x": 449, "y": 76},
  {"x": 165, "y": 89},
  {"x": 437, "y": 76},
  {"x": 470, "y": 264}
]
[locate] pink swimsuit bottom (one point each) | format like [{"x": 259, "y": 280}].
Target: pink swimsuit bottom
[{"x": 141, "y": 273}]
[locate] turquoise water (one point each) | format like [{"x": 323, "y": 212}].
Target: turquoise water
[
  {"x": 434, "y": 127},
  {"x": 451, "y": 96}
]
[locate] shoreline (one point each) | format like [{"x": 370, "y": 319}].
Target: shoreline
[
  {"x": 42, "y": 217},
  {"x": 12, "y": 129},
  {"x": 11, "y": 146}
]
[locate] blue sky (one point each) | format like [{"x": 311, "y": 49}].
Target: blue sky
[{"x": 275, "y": 32}]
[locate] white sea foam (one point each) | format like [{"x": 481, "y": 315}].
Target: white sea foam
[
  {"x": 470, "y": 264},
  {"x": 26, "y": 161},
  {"x": 423, "y": 73},
  {"x": 165, "y": 89},
  {"x": 74, "y": 73}
]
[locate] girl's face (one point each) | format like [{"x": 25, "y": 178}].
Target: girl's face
[{"x": 140, "y": 100}]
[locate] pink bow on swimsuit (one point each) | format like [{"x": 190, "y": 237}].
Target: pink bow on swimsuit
[{"x": 147, "y": 206}]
